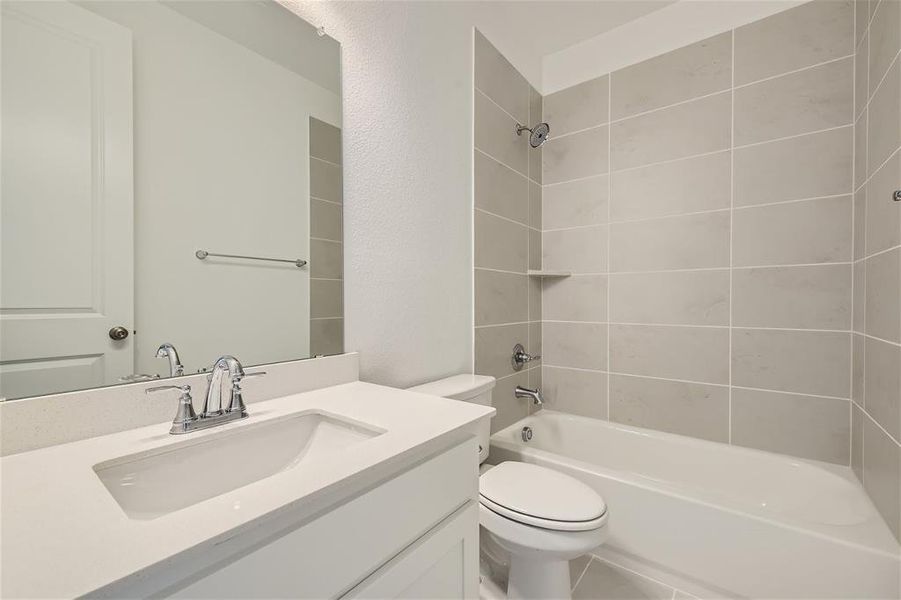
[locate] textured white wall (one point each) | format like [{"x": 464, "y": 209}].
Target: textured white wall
[{"x": 407, "y": 94}]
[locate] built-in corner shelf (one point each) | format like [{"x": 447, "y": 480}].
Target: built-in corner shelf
[{"x": 538, "y": 273}]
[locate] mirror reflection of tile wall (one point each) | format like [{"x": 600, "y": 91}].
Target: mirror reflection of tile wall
[{"x": 326, "y": 240}]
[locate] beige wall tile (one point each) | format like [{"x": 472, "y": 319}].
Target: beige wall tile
[
  {"x": 806, "y": 362},
  {"x": 809, "y": 100},
  {"x": 860, "y": 223},
  {"x": 858, "y": 345},
  {"x": 857, "y": 418},
  {"x": 676, "y": 298},
  {"x": 534, "y": 345},
  {"x": 809, "y": 166},
  {"x": 499, "y": 189},
  {"x": 576, "y": 298},
  {"x": 861, "y": 77},
  {"x": 582, "y": 250},
  {"x": 884, "y": 119},
  {"x": 325, "y": 141},
  {"x": 500, "y": 244},
  {"x": 813, "y": 231},
  {"x": 694, "y": 409},
  {"x": 687, "y": 129},
  {"x": 499, "y": 80},
  {"x": 883, "y": 214},
  {"x": 326, "y": 298},
  {"x": 885, "y": 39},
  {"x": 696, "y": 70},
  {"x": 326, "y": 260},
  {"x": 535, "y": 205},
  {"x": 578, "y": 345},
  {"x": 883, "y": 281},
  {"x": 578, "y": 107},
  {"x": 575, "y": 391},
  {"x": 860, "y": 150},
  {"x": 685, "y": 242},
  {"x": 534, "y": 249},
  {"x": 805, "y": 426},
  {"x": 799, "y": 37},
  {"x": 326, "y": 336},
  {"x": 882, "y": 474},
  {"x": 882, "y": 382},
  {"x": 326, "y": 220},
  {"x": 510, "y": 409},
  {"x": 575, "y": 156},
  {"x": 861, "y": 19},
  {"x": 535, "y": 299},
  {"x": 575, "y": 203},
  {"x": 495, "y": 134},
  {"x": 683, "y": 186},
  {"x": 325, "y": 180},
  {"x": 494, "y": 347},
  {"x": 814, "y": 297},
  {"x": 691, "y": 353},
  {"x": 860, "y": 288},
  {"x": 535, "y": 110},
  {"x": 500, "y": 297}
]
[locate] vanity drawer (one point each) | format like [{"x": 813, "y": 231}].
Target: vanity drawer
[{"x": 327, "y": 557}]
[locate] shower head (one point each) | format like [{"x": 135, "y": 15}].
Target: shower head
[{"x": 538, "y": 133}]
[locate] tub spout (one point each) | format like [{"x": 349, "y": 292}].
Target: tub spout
[{"x": 534, "y": 395}]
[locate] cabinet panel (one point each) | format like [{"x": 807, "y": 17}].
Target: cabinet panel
[
  {"x": 444, "y": 563},
  {"x": 326, "y": 557}
]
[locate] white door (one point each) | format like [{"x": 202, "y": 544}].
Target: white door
[{"x": 66, "y": 232}]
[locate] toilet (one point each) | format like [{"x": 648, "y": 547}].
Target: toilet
[{"x": 542, "y": 517}]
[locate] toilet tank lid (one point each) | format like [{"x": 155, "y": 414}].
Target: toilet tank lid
[{"x": 458, "y": 387}]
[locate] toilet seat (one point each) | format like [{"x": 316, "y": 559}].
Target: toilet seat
[{"x": 541, "y": 497}]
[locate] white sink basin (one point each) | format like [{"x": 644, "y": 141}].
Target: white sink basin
[{"x": 150, "y": 484}]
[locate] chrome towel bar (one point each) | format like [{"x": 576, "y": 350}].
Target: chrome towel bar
[{"x": 202, "y": 254}]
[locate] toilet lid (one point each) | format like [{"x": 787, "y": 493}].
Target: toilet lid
[{"x": 540, "y": 496}]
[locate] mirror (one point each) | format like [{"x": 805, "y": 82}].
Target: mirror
[{"x": 171, "y": 174}]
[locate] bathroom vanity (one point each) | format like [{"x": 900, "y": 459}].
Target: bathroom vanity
[{"x": 352, "y": 490}]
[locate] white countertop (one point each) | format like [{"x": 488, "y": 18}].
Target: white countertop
[{"x": 63, "y": 535}]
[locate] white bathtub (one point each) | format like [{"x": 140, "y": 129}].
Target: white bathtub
[{"x": 714, "y": 518}]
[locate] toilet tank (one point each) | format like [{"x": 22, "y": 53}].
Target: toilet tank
[{"x": 468, "y": 388}]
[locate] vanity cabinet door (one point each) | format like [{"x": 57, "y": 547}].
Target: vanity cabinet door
[{"x": 441, "y": 564}]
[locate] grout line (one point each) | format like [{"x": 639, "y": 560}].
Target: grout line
[
  {"x": 731, "y": 229},
  {"x": 511, "y": 323},
  {"x": 791, "y": 137},
  {"x": 504, "y": 110},
  {"x": 326, "y": 200},
  {"x": 891, "y": 65},
  {"x": 886, "y": 251},
  {"x": 498, "y": 161},
  {"x": 878, "y": 339},
  {"x": 319, "y": 239},
  {"x": 574, "y": 180},
  {"x": 723, "y": 268},
  {"x": 669, "y": 160},
  {"x": 608, "y": 257},
  {"x": 787, "y": 73},
  {"x": 576, "y": 132},
  {"x": 854, "y": 101},
  {"x": 328, "y": 162},
  {"x": 508, "y": 219},
  {"x": 879, "y": 168},
  {"x": 790, "y": 393},
  {"x": 582, "y": 573},
  {"x": 574, "y": 227},
  {"x": 876, "y": 423},
  {"x": 796, "y": 200},
  {"x": 523, "y": 273},
  {"x": 326, "y": 318},
  {"x": 673, "y": 105},
  {"x": 655, "y": 378}
]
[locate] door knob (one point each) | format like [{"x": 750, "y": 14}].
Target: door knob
[{"x": 118, "y": 333}]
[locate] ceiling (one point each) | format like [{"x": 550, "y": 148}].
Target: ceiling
[{"x": 526, "y": 30}]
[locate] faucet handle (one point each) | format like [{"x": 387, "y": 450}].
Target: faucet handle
[
  {"x": 238, "y": 378},
  {"x": 237, "y": 400},
  {"x": 185, "y": 413}
]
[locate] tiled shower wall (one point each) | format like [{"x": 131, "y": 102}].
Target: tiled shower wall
[
  {"x": 507, "y": 228},
  {"x": 876, "y": 380},
  {"x": 703, "y": 202},
  {"x": 326, "y": 240}
]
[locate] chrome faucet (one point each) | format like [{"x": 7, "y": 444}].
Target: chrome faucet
[
  {"x": 167, "y": 350},
  {"x": 213, "y": 412},
  {"x": 535, "y": 395},
  {"x": 521, "y": 357}
]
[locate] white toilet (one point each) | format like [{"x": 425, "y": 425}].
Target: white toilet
[{"x": 543, "y": 518}]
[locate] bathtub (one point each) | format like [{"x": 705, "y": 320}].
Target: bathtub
[{"x": 714, "y": 519}]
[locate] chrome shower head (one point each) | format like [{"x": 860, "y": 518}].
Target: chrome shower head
[{"x": 538, "y": 133}]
